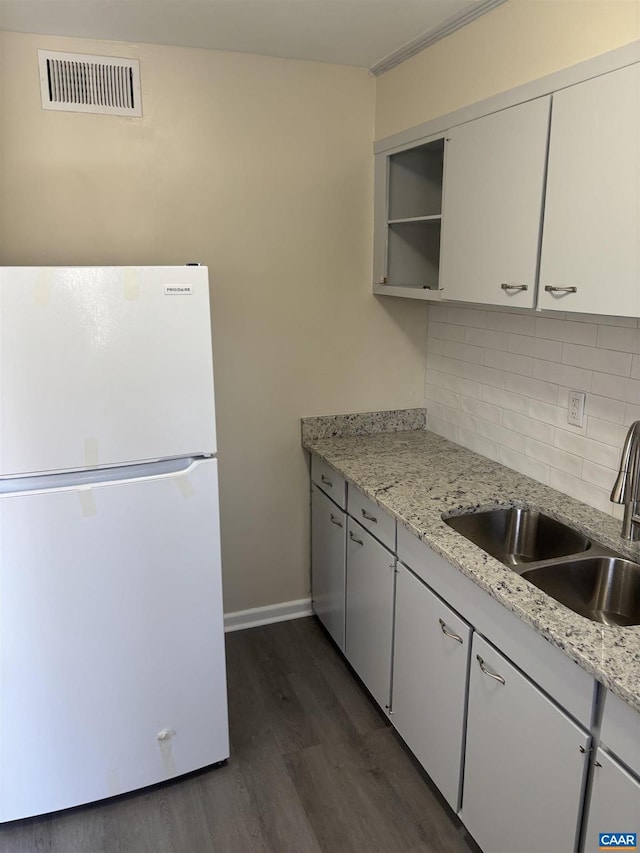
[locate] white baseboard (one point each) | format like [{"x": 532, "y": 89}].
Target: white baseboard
[{"x": 282, "y": 612}]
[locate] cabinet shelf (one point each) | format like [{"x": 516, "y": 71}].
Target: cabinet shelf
[
  {"x": 436, "y": 218},
  {"x": 408, "y": 221}
]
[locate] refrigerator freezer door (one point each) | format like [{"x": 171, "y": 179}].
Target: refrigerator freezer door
[
  {"x": 112, "y": 672},
  {"x": 103, "y": 366}
]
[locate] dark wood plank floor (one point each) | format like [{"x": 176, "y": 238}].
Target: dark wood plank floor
[{"x": 314, "y": 768}]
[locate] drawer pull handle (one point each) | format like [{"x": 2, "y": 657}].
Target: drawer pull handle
[
  {"x": 583, "y": 750},
  {"x": 551, "y": 288},
  {"x": 326, "y": 481},
  {"x": 514, "y": 287},
  {"x": 597, "y": 764},
  {"x": 368, "y": 516},
  {"x": 448, "y": 633},
  {"x": 355, "y": 538},
  {"x": 335, "y": 521},
  {"x": 488, "y": 671}
]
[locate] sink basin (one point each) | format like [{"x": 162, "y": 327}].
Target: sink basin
[
  {"x": 604, "y": 589},
  {"x": 519, "y": 536}
]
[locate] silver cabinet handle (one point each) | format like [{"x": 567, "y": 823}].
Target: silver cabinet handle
[
  {"x": 368, "y": 516},
  {"x": 447, "y": 633},
  {"x": 551, "y": 288},
  {"x": 325, "y": 481},
  {"x": 488, "y": 671},
  {"x": 355, "y": 538},
  {"x": 514, "y": 286},
  {"x": 335, "y": 521}
]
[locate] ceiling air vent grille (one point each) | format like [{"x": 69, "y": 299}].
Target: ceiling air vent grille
[{"x": 79, "y": 83}]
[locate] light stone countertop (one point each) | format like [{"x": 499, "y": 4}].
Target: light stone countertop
[{"x": 416, "y": 476}]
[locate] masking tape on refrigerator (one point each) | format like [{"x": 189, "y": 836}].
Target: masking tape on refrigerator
[
  {"x": 42, "y": 289},
  {"x": 184, "y": 485},
  {"x": 166, "y": 752},
  {"x": 130, "y": 286}
]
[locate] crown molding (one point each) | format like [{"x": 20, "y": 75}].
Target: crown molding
[{"x": 448, "y": 26}]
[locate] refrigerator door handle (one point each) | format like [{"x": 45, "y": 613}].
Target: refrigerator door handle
[{"x": 100, "y": 476}]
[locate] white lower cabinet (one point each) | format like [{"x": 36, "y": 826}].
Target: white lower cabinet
[
  {"x": 369, "y": 610},
  {"x": 615, "y": 802},
  {"x": 328, "y": 538},
  {"x": 524, "y": 765},
  {"x": 430, "y": 670},
  {"x": 488, "y": 734}
]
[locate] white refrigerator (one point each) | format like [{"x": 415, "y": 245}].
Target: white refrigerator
[{"x": 112, "y": 670}]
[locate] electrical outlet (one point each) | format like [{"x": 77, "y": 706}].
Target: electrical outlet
[{"x": 575, "y": 414}]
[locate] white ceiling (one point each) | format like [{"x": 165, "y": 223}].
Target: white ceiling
[{"x": 350, "y": 32}]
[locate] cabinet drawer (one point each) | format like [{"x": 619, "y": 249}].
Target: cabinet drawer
[
  {"x": 621, "y": 731},
  {"x": 370, "y": 515},
  {"x": 325, "y": 478}
]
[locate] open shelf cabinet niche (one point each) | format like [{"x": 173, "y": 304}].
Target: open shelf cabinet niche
[{"x": 409, "y": 201}]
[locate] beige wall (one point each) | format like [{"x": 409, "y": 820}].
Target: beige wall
[
  {"x": 260, "y": 168},
  {"x": 513, "y": 44}
]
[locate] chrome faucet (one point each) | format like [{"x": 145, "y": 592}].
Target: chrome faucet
[{"x": 626, "y": 489}]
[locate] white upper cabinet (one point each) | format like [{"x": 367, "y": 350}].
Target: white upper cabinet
[
  {"x": 408, "y": 210},
  {"x": 492, "y": 206},
  {"x": 591, "y": 233}
]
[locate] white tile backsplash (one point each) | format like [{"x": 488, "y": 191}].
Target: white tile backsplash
[
  {"x": 505, "y": 399},
  {"x": 625, "y": 340},
  {"x": 594, "y": 358},
  {"x": 617, "y": 387},
  {"x": 498, "y": 382},
  {"x": 517, "y": 324},
  {"x": 536, "y": 347},
  {"x": 567, "y": 331},
  {"x": 547, "y": 392},
  {"x": 487, "y": 338},
  {"x": 562, "y": 374},
  {"x": 508, "y": 361},
  {"x": 484, "y": 375}
]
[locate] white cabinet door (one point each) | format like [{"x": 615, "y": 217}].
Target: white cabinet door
[
  {"x": 591, "y": 227},
  {"x": 328, "y": 532},
  {"x": 369, "y": 612},
  {"x": 615, "y": 802},
  {"x": 430, "y": 668},
  {"x": 524, "y": 768},
  {"x": 492, "y": 206}
]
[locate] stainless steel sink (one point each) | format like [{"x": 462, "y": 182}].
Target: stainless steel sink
[
  {"x": 586, "y": 577},
  {"x": 605, "y": 589},
  {"x": 518, "y": 536}
]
